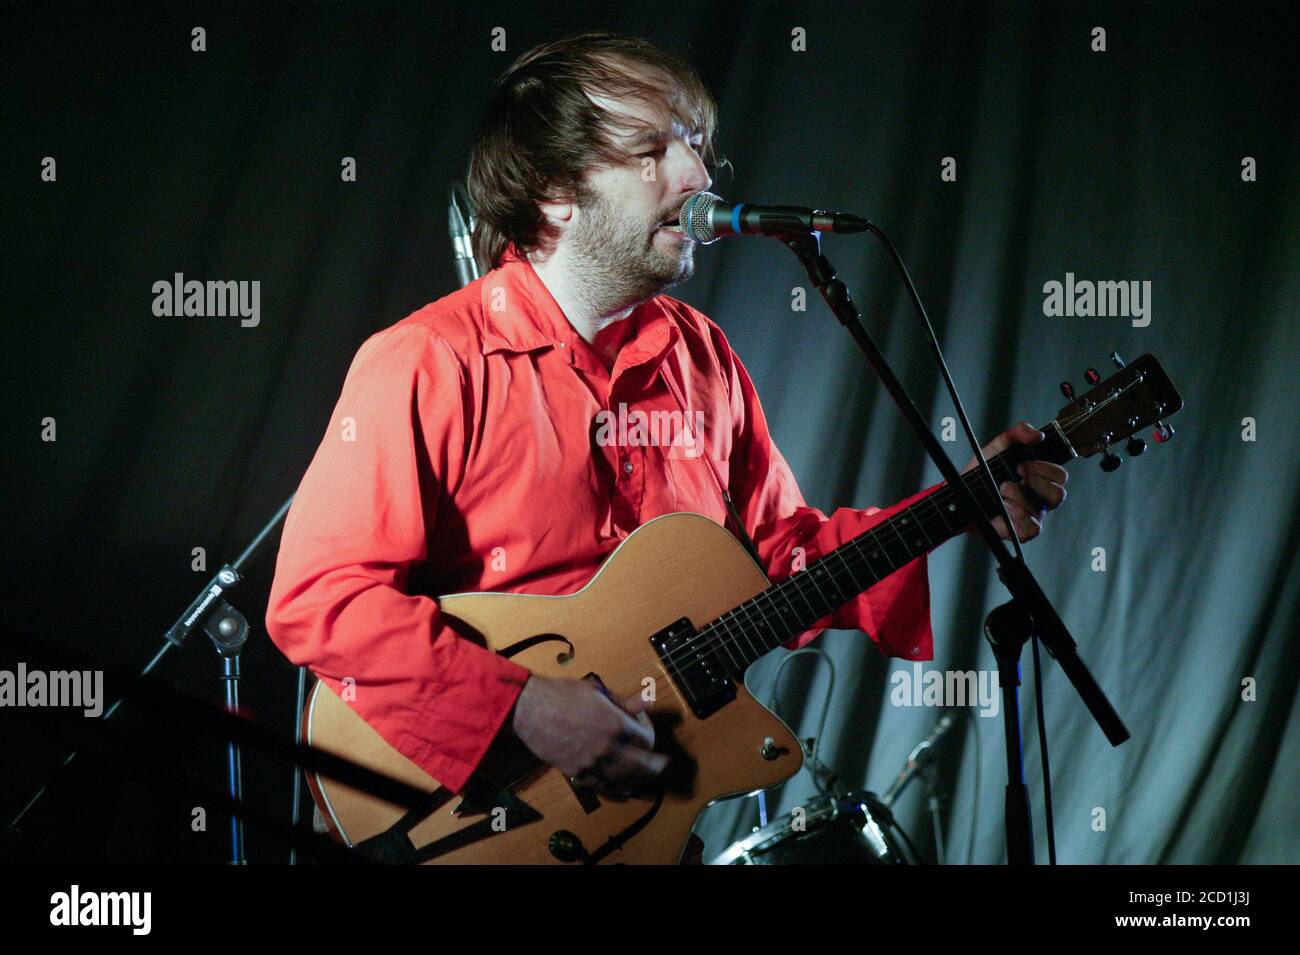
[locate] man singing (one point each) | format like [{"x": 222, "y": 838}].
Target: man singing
[{"x": 465, "y": 452}]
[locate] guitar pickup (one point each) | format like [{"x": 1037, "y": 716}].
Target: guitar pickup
[{"x": 693, "y": 665}]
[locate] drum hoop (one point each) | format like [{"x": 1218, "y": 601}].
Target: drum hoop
[{"x": 821, "y": 809}]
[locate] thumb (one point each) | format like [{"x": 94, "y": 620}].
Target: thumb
[
  {"x": 637, "y": 704},
  {"x": 1026, "y": 433}
]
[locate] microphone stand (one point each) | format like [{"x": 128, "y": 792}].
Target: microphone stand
[
  {"x": 1029, "y": 613},
  {"x": 227, "y": 628}
]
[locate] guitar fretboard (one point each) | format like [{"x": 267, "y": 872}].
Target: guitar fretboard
[{"x": 761, "y": 624}]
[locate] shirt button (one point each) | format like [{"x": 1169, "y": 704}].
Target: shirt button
[{"x": 627, "y": 467}]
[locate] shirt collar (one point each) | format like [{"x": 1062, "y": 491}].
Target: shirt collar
[{"x": 520, "y": 314}]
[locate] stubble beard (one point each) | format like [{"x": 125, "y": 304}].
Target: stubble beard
[{"x": 627, "y": 263}]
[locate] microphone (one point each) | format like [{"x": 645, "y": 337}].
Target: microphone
[
  {"x": 460, "y": 223},
  {"x": 917, "y": 758},
  {"x": 706, "y": 218}
]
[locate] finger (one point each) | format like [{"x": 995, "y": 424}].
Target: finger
[
  {"x": 637, "y": 730},
  {"x": 1023, "y": 433},
  {"x": 637, "y": 704},
  {"x": 1027, "y": 525},
  {"x": 1033, "y": 502},
  {"x": 636, "y": 726},
  {"x": 1049, "y": 493},
  {"x": 1044, "y": 469},
  {"x": 1026, "y": 433},
  {"x": 1023, "y": 496}
]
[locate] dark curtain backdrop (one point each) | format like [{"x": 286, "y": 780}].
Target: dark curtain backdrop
[{"x": 1118, "y": 165}]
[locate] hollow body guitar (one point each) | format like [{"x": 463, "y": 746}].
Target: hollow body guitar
[{"x": 680, "y": 611}]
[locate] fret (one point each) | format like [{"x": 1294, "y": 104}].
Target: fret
[
  {"x": 747, "y": 629},
  {"x": 839, "y": 552},
  {"x": 736, "y": 638},
  {"x": 743, "y": 642},
  {"x": 756, "y": 632},
  {"x": 795, "y": 585},
  {"x": 726, "y": 642}
]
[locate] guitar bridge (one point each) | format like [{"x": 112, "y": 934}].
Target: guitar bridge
[{"x": 692, "y": 664}]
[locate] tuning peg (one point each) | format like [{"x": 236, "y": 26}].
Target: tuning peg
[
  {"x": 1067, "y": 389},
  {"x": 1162, "y": 433},
  {"x": 1119, "y": 362},
  {"x": 1092, "y": 376},
  {"x": 1109, "y": 462},
  {"x": 1135, "y": 447}
]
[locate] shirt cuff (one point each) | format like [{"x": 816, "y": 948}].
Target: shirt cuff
[{"x": 458, "y": 720}]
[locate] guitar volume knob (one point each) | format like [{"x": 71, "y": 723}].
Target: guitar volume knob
[{"x": 566, "y": 846}]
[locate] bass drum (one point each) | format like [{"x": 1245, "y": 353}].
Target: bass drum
[{"x": 829, "y": 831}]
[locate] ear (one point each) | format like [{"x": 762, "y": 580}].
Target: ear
[{"x": 558, "y": 211}]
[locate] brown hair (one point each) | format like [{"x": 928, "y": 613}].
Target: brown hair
[{"x": 542, "y": 131}]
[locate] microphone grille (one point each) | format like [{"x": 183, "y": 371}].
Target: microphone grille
[{"x": 697, "y": 217}]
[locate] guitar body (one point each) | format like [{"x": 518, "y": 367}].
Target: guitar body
[{"x": 678, "y": 565}]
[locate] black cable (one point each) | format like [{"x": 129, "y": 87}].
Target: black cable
[
  {"x": 1042, "y": 749},
  {"x": 812, "y": 762}
]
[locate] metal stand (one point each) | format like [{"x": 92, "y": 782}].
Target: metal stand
[
  {"x": 228, "y": 630},
  {"x": 228, "y": 635},
  {"x": 934, "y": 802},
  {"x": 1008, "y": 629},
  {"x": 1012, "y": 571}
]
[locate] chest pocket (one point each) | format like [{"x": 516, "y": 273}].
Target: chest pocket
[{"x": 698, "y": 464}]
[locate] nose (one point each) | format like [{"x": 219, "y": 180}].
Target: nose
[{"x": 690, "y": 175}]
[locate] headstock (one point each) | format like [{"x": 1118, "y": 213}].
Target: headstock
[{"x": 1135, "y": 396}]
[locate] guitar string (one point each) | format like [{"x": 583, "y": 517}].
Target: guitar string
[{"x": 802, "y": 583}]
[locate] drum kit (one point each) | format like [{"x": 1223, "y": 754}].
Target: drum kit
[
  {"x": 830, "y": 830},
  {"x": 839, "y": 827}
]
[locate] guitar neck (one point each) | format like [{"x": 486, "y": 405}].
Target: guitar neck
[{"x": 788, "y": 608}]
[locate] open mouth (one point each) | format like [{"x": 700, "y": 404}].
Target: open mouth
[{"x": 671, "y": 225}]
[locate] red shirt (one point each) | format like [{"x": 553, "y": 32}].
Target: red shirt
[{"x": 466, "y": 454}]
